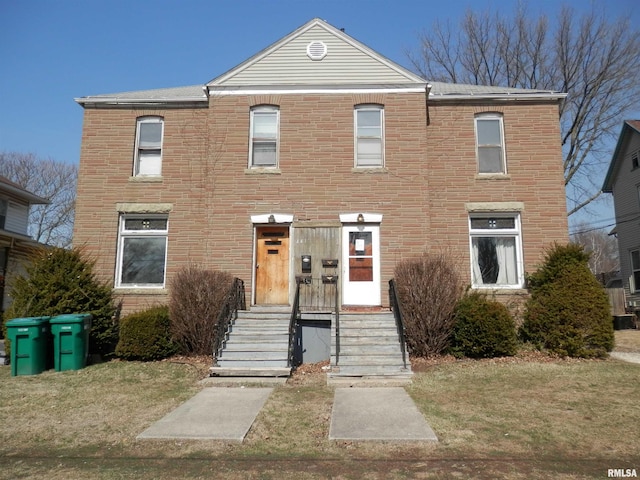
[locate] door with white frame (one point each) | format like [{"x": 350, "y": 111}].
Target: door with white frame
[{"x": 361, "y": 264}]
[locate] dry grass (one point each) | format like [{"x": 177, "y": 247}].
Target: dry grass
[
  {"x": 524, "y": 417},
  {"x": 628, "y": 340}
]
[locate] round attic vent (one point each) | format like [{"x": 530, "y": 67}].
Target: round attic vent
[{"x": 316, "y": 50}]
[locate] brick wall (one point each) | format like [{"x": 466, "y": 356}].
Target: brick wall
[{"x": 429, "y": 175}]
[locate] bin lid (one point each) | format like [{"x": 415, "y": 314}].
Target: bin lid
[
  {"x": 71, "y": 318},
  {"x": 28, "y": 322}
]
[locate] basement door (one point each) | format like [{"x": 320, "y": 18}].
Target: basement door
[
  {"x": 361, "y": 265},
  {"x": 272, "y": 265}
]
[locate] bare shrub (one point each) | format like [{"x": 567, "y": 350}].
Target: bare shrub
[
  {"x": 428, "y": 288},
  {"x": 197, "y": 296}
]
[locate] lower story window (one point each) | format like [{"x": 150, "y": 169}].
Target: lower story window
[
  {"x": 142, "y": 251},
  {"x": 496, "y": 252},
  {"x": 634, "y": 284}
]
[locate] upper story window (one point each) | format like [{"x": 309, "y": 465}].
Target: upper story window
[
  {"x": 490, "y": 143},
  {"x": 634, "y": 160},
  {"x": 4, "y": 205},
  {"x": 263, "y": 144},
  {"x": 496, "y": 251},
  {"x": 142, "y": 251},
  {"x": 148, "y": 161},
  {"x": 369, "y": 135}
]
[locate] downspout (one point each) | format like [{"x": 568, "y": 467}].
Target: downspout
[{"x": 427, "y": 92}]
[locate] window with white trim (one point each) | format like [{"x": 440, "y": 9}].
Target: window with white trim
[
  {"x": 148, "y": 157},
  {"x": 369, "y": 135},
  {"x": 263, "y": 142},
  {"x": 142, "y": 251},
  {"x": 496, "y": 251},
  {"x": 634, "y": 283},
  {"x": 490, "y": 143}
]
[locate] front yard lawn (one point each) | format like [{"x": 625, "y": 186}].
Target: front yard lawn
[{"x": 506, "y": 418}]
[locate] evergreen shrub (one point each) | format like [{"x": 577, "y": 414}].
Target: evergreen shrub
[
  {"x": 146, "y": 335},
  {"x": 60, "y": 281},
  {"x": 568, "y": 312},
  {"x": 483, "y": 328}
]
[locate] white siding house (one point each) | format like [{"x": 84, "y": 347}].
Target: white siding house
[{"x": 623, "y": 181}]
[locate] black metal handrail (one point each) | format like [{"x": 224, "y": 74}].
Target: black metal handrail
[
  {"x": 337, "y": 310},
  {"x": 293, "y": 323},
  {"x": 397, "y": 314},
  {"x": 234, "y": 301}
]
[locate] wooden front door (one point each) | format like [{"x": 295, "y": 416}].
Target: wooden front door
[{"x": 272, "y": 265}]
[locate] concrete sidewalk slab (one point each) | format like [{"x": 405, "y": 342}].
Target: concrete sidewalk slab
[
  {"x": 631, "y": 357},
  {"x": 386, "y": 413},
  {"x": 212, "y": 414}
]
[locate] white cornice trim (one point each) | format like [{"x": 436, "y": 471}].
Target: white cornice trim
[
  {"x": 278, "y": 218},
  {"x": 367, "y": 217},
  {"x": 309, "y": 89},
  {"x": 498, "y": 96}
]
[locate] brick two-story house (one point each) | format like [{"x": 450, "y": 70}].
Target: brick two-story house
[{"x": 318, "y": 148}]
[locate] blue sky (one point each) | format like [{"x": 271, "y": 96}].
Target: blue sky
[{"x": 54, "y": 51}]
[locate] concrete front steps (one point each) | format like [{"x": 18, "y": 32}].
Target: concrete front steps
[
  {"x": 370, "y": 351},
  {"x": 257, "y": 344}
]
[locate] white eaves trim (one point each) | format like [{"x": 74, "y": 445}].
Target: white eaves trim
[
  {"x": 498, "y": 96},
  {"x": 302, "y": 90}
]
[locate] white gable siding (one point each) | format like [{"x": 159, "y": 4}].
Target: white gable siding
[
  {"x": 343, "y": 64},
  {"x": 17, "y": 218},
  {"x": 627, "y": 207}
]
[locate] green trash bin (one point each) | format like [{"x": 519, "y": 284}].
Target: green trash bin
[
  {"x": 70, "y": 341},
  {"x": 30, "y": 345}
]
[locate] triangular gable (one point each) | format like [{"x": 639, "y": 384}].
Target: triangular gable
[
  {"x": 629, "y": 127},
  {"x": 317, "y": 54}
]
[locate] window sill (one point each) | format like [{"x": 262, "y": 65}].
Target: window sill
[
  {"x": 506, "y": 290},
  {"x": 493, "y": 176},
  {"x": 262, "y": 171},
  {"x": 146, "y": 179},
  {"x": 372, "y": 170},
  {"x": 141, "y": 291}
]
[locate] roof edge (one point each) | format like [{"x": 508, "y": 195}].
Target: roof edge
[{"x": 607, "y": 185}]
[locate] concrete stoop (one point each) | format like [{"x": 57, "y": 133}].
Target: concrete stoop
[
  {"x": 370, "y": 352},
  {"x": 257, "y": 345}
]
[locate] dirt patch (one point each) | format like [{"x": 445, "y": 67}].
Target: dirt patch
[{"x": 310, "y": 374}]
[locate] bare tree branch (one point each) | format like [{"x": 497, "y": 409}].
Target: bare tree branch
[
  {"x": 594, "y": 60},
  {"x": 55, "y": 181}
]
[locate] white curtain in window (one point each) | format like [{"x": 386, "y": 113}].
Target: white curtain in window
[
  {"x": 505, "y": 261},
  {"x": 506, "y": 251}
]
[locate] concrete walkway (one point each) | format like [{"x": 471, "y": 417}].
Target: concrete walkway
[
  {"x": 213, "y": 414},
  {"x": 631, "y": 357},
  {"x": 227, "y": 413},
  {"x": 384, "y": 414}
]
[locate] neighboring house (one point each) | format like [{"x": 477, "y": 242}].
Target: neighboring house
[
  {"x": 15, "y": 243},
  {"x": 314, "y": 150},
  {"x": 623, "y": 181}
]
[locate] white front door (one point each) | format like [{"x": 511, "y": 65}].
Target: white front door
[{"x": 361, "y": 264}]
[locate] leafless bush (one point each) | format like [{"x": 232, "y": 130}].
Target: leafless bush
[
  {"x": 197, "y": 296},
  {"x": 428, "y": 288}
]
